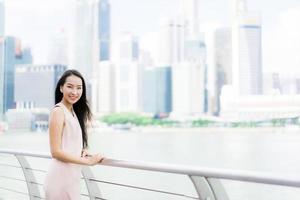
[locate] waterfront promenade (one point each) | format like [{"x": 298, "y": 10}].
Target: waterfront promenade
[{"x": 271, "y": 151}]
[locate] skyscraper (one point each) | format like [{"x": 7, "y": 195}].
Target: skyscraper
[
  {"x": 171, "y": 41},
  {"x": 128, "y": 75},
  {"x": 246, "y": 44},
  {"x": 2, "y": 18},
  {"x": 2, "y": 39},
  {"x": 104, "y": 29},
  {"x": 83, "y": 45},
  {"x": 190, "y": 13},
  {"x": 223, "y": 63},
  {"x": 103, "y": 85},
  {"x": 157, "y": 90},
  {"x": 10, "y": 55},
  {"x": 188, "y": 89},
  {"x": 8, "y": 58},
  {"x": 58, "y": 49}
]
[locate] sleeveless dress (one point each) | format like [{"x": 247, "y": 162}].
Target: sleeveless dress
[{"x": 63, "y": 179}]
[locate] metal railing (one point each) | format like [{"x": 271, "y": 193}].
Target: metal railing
[{"x": 206, "y": 181}]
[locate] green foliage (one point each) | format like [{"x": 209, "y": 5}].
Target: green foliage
[
  {"x": 249, "y": 124},
  {"x": 141, "y": 120},
  {"x": 202, "y": 123},
  {"x": 135, "y": 119},
  {"x": 278, "y": 122}
]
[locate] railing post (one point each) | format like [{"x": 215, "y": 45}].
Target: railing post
[
  {"x": 33, "y": 190},
  {"x": 92, "y": 187},
  {"x": 218, "y": 189},
  {"x": 203, "y": 188}
]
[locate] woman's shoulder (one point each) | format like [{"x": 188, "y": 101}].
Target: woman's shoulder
[
  {"x": 57, "y": 114},
  {"x": 57, "y": 110}
]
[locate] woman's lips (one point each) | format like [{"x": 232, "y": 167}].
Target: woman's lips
[{"x": 73, "y": 98}]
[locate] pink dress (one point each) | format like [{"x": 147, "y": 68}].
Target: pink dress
[{"x": 63, "y": 179}]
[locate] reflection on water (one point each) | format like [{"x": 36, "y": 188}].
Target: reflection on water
[{"x": 265, "y": 150}]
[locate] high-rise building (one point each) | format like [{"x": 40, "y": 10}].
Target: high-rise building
[
  {"x": 83, "y": 45},
  {"x": 171, "y": 42},
  {"x": 149, "y": 98},
  {"x": 2, "y": 39},
  {"x": 58, "y": 50},
  {"x": 104, "y": 29},
  {"x": 35, "y": 85},
  {"x": 285, "y": 57},
  {"x": 188, "y": 89},
  {"x": 2, "y": 18},
  {"x": 103, "y": 88},
  {"x": 26, "y": 56},
  {"x": 129, "y": 48},
  {"x": 10, "y": 55},
  {"x": 157, "y": 90},
  {"x": 190, "y": 14},
  {"x": 195, "y": 50},
  {"x": 223, "y": 63},
  {"x": 188, "y": 81},
  {"x": 223, "y": 54},
  {"x": 128, "y": 75},
  {"x": 246, "y": 44}
]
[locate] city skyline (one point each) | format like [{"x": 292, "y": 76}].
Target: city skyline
[
  {"x": 188, "y": 44},
  {"x": 22, "y": 17}
]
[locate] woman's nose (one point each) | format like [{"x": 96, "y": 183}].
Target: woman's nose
[{"x": 74, "y": 91}]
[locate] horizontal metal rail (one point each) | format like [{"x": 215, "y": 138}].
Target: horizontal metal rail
[
  {"x": 8, "y": 165},
  {"x": 195, "y": 173},
  {"x": 26, "y": 194},
  {"x": 15, "y": 191},
  {"x": 237, "y": 175},
  {"x": 11, "y": 178},
  {"x": 145, "y": 189}
]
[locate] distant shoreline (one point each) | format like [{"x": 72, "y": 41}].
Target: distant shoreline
[{"x": 293, "y": 129}]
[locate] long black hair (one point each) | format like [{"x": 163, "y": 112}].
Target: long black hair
[{"x": 81, "y": 107}]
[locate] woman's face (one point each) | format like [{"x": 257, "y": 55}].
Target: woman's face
[{"x": 72, "y": 89}]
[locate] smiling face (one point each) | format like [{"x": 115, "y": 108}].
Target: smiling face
[{"x": 72, "y": 89}]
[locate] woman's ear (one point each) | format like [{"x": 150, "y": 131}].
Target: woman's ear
[{"x": 60, "y": 88}]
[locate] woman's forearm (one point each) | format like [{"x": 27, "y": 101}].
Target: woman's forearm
[{"x": 65, "y": 157}]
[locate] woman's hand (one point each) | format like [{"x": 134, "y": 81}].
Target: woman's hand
[{"x": 94, "y": 159}]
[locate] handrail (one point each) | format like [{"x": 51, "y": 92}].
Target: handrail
[
  {"x": 193, "y": 172},
  {"x": 25, "y": 153},
  {"x": 238, "y": 175}
]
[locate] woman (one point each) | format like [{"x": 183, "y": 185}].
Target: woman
[{"x": 68, "y": 138}]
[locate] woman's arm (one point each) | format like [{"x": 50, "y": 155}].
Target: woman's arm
[{"x": 56, "y": 125}]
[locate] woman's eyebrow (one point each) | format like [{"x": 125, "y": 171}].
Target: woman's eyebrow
[{"x": 72, "y": 84}]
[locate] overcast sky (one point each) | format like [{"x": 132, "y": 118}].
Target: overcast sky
[
  {"x": 36, "y": 21},
  {"x": 135, "y": 15}
]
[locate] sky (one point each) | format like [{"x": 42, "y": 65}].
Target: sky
[{"x": 35, "y": 22}]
